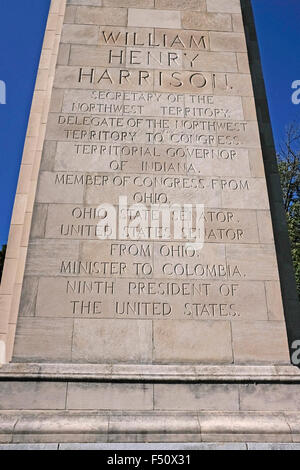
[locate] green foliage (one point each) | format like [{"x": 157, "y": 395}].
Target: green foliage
[
  {"x": 294, "y": 232},
  {"x": 2, "y": 258},
  {"x": 289, "y": 169}
]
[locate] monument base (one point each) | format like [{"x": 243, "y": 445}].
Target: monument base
[{"x": 91, "y": 403}]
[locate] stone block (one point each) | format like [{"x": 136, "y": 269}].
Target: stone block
[
  {"x": 9, "y": 276},
  {"x": 241, "y": 427},
  {"x": 126, "y": 341},
  {"x": 249, "y": 109},
  {"x": 256, "y": 163},
  {"x": 68, "y": 77},
  {"x": 38, "y": 224},
  {"x": 234, "y": 42},
  {"x": 80, "y": 34},
  {"x": 111, "y": 396},
  {"x": 74, "y": 298},
  {"x": 196, "y": 397},
  {"x": 239, "y": 84},
  {"x": 32, "y": 395},
  {"x": 181, "y": 4},
  {"x": 14, "y": 242},
  {"x": 242, "y": 193},
  {"x": 256, "y": 262},
  {"x": 192, "y": 342},
  {"x": 237, "y": 22},
  {"x": 129, "y": 3},
  {"x": 226, "y": 6},
  {"x": 274, "y": 300},
  {"x": 28, "y": 297},
  {"x": 70, "y": 13},
  {"x": 153, "y": 18},
  {"x": 206, "y": 21},
  {"x": 243, "y": 62},
  {"x": 260, "y": 342},
  {"x": 47, "y": 256},
  {"x": 86, "y": 15},
  {"x": 43, "y": 340},
  {"x": 63, "y": 54},
  {"x": 270, "y": 397},
  {"x": 265, "y": 227},
  {"x": 60, "y": 187},
  {"x": 98, "y": 56},
  {"x": 95, "y": 3}
]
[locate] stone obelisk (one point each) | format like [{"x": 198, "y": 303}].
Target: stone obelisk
[{"x": 148, "y": 293}]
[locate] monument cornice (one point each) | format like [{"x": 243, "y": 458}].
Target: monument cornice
[
  {"x": 90, "y": 426},
  {"x": 158, "y": 373}
]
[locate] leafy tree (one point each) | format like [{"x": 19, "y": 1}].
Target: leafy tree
[
  {"x": 289, "y": 169},
  {"x": 2, "y": 258}
]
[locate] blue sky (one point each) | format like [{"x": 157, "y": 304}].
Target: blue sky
[
  {"x": 278, "y": 29},
  {"x": 22, "y": 24}
]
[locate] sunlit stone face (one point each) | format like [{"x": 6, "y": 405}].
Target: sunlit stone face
[{"x": 152, "y": 238}]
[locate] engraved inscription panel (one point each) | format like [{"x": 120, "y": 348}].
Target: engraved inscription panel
[{"x": 152, "y": 234}]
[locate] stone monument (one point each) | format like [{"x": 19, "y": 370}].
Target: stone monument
[{"x": 148, "y": 291}]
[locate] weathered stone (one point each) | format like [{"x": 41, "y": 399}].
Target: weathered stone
[
  {"x": 32, "y": 396},
  {"x": 96, "y": 3},
  {"x": 81, "y": 34},
  {"x": 204, "y": 341},
  {"x": 60, "y": 187},
  {"x": 206, "y": 21},
  {"x": 227, "y": 42},
  {"x": 129, "y": 3},
  {"x": 101, "y": 16},
  {"x": 274, "y": 300},
  {"x": 237, "y": 22},
  {"x": 260, "y": 342},
  {"x": 46, "y": 256},
  {"x": 70, "y": 14},
  {"x": 248, "y": 258},
  {"x": 109, "y": 396},
  {"x": 228, "y": 6},
  {"x": 43, "y": 340},
  {"x": 153, "y": 18},
  {"x": 112, "y": 341},
  {"x": 196, "y": 397},
  {"x": 28, "y": 298},
  {"x": 181, "y": 4},
  {"x": 266, "y": 397}
]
